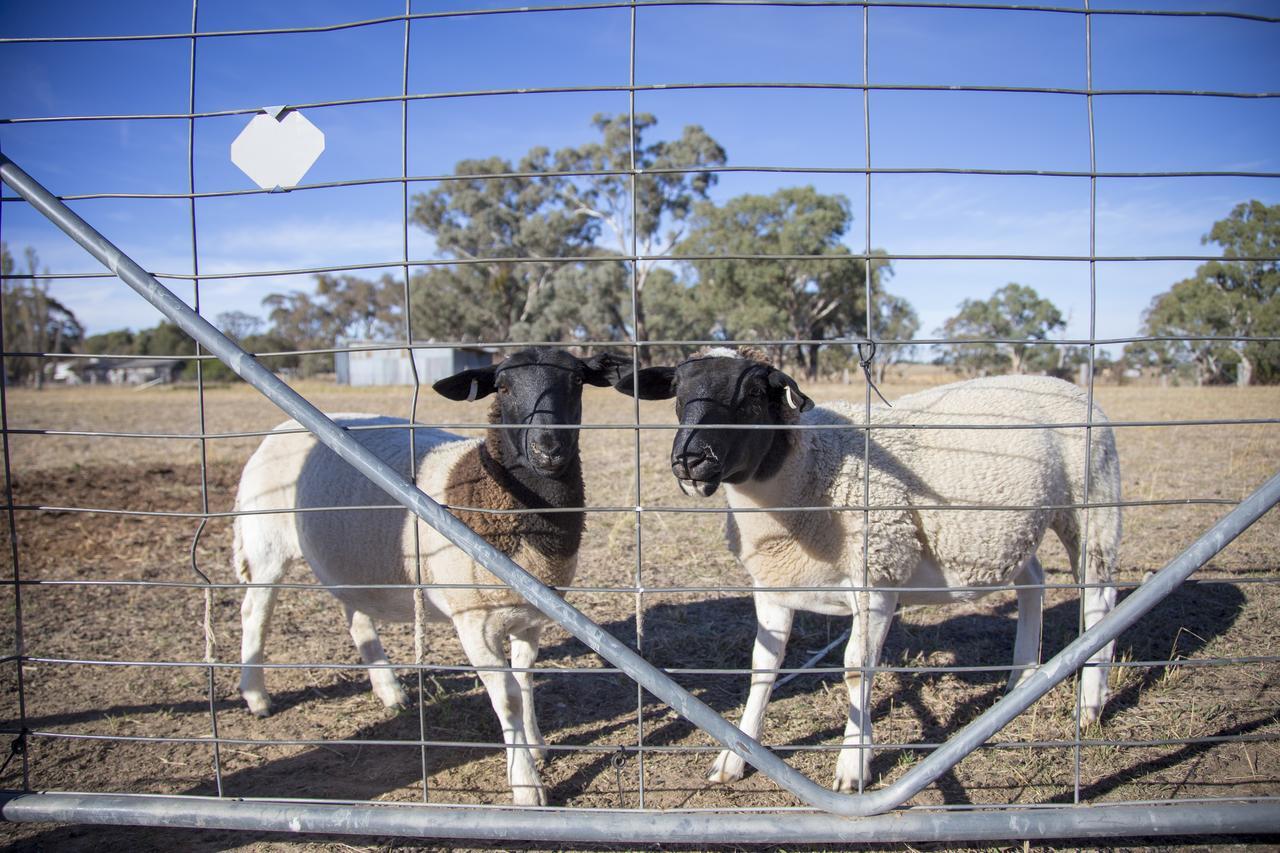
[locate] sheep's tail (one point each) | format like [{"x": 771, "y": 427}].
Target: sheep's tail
[
  {"x": 238, "y": 558},
  {"x": 1101, "y": 550}
]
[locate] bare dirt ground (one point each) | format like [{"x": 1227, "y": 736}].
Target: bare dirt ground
[{"x": 1229, "y": 613}]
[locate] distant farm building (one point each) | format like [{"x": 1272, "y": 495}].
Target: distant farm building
[
  {"x": 118, "y": 371},
  {"x": 392, "y": 366}
]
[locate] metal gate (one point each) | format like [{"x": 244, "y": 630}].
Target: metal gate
[{"x": 872, "y": 815}]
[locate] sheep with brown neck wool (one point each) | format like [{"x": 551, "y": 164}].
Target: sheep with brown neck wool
[
  {"x": 534, "y": 466},
  {"x": 955, "y": 555}
]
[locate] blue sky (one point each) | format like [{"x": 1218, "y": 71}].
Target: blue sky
[{"x": 915, "y": 214}]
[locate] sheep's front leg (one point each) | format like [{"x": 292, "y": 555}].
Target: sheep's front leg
[
  {"x": 524, "y": 651},
  {"x": 869, "y": 630},
  {"x": 385, "y": 684},
  {"x": 1026, "y": 644},
  {"x": 482, "y": 642},
  {"x": 773, "y": 628}
]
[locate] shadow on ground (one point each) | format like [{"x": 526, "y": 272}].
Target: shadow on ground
[{"x": 601, "y": 708}]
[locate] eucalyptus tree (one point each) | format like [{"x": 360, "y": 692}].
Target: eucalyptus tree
[
  {"x": 999, "y": 326},
  {"x": 774, "y": 267},
  {"x": 671, "y": 176}
]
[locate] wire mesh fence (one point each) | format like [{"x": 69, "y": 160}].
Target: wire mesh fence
[{"x": 629, "y": 751}]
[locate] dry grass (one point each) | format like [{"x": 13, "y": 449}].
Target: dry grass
[{"x": 1206, "y": 620}]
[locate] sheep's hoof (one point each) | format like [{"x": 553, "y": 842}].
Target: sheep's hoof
[
  {"x": 259, "y": 704},
  {"x": 847, "y": 773},
  {"x": 396, "y": 700},
  {"x": 529, "y": 795},
  {"x": 844, "y": 786},
  {"x": 726, "y": 769},
  {"x": 1019, "y": 678},
  {"x": 1090, "y": 715}
]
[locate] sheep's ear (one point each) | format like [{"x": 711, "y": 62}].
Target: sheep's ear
[
  {"x": 469, "y": 384},
  {"x": 791, "y": 394},
  {"x": 604, "y": 369},
  {"x": 654, "y": 383}
]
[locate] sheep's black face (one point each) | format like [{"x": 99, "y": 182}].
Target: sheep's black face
[
  {"x": 711, "y": 391},
  {"x": 539, "y": 393}
]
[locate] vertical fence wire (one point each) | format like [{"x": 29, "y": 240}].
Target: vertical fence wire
[
  {"x": 635, "y": 363},
  {"x": 209, "y": 644},
  {"x": 419, "y": 592},
  {"x": 1082, "y": 559},
  {"x": 19, "y": 745},
  {"x": 862, "y": 612}
]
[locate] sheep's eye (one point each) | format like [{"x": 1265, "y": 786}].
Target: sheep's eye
[{"x": 577, "y": 381}]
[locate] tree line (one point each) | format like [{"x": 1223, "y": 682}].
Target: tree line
[{"x": 548, "y": 248}]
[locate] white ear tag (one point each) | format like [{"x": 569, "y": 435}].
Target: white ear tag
[
  {"x": 475, "y": 390},
  {"x": 790, "y": 400}
]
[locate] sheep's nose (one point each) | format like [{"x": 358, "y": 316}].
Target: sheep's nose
[
  {"x": 548, "y": 443},
  {"x": 549, "y": 449},
  {"x": 695, "y": 464}
]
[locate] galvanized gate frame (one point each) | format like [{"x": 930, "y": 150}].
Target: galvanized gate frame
[{"x": 1077, "y": 821}]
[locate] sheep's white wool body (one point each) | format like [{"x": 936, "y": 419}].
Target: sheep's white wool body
[
  {"x": 293, "y": 470},
  {"x": 914, "y": 468},
  {"x": 377, "y": 546},
  {"x": 964, "y": 553}
]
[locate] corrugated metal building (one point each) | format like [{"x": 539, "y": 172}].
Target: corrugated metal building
[{"x": 391, "y": 366}]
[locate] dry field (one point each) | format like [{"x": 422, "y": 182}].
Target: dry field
[{"x": 1229, "y": 613}]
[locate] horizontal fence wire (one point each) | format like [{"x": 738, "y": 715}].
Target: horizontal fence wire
[
  {"x": 622, "y": 590},
  {"x": 670, "y": 670},
  {"x": 613, "y": 259},
  {"x": 656, "y": 87},
  {"x": 641, "y": 746},
  {"x": 803, "y": 170},
  {"x": 622, "y": 344},
  {"x": 675, "y": 510},
  {"x": 649, "y": 748},
  {"x": 643, "y": 4}
]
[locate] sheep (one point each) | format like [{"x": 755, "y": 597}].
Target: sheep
[
  {"x": 532, "y": 467},
  {"x": 965, "y": 553}
]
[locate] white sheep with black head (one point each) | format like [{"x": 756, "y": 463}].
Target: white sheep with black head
[
  {"x": 963, "y": 553},
  {"x": 533, "y": 465}
]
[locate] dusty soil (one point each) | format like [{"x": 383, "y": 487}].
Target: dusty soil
[{"x": 587, "y": 716}]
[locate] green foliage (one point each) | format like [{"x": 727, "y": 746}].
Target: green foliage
[
  {"x": 550, "y": 219},
  {"x": 34, "y": 321},
  {"x": 118, "y": 342},
  {"x": 1228, "y": 297},
  {"x": 238, "y": 325},
  {"x": 896, "y": 321},
  {"x": 344, "y": 306},
  {"x": 790, "y": 296},
  {"x": 1015, "y": 312},
  {"x": 479, "y": 216},
  {"x": 678, "y": 311},
  {"x": 533, "y": 254}
]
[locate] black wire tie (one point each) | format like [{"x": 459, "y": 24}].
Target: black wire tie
[
  {"x": 618, "y": 760},
  {"x": 17, "y": 746},
  {"x": 865, "y": 360}
]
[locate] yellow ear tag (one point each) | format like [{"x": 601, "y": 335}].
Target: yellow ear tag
[{"x": 790, "y": 401}]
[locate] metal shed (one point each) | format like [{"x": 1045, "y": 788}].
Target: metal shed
[{"x": 392, "y": 367}]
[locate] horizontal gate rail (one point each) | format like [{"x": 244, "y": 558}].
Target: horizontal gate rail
[
  {"x": 606, "y": 826},
  {"x": 616, "y": 652}
]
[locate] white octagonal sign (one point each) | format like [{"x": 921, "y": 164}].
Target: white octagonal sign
[{"x": 277, "y": 148}]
